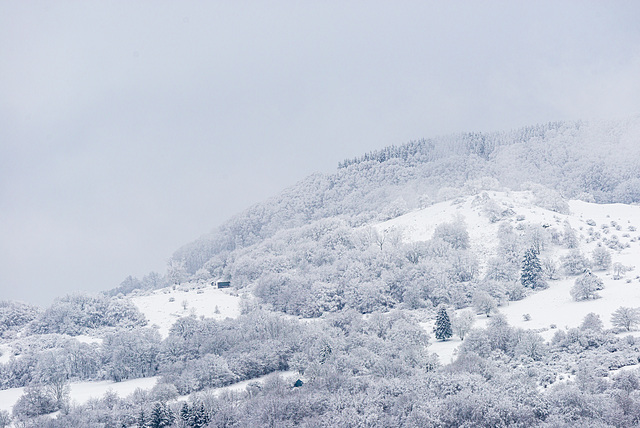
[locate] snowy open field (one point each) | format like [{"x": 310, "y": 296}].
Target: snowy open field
[{"x": 163, "y": 307}]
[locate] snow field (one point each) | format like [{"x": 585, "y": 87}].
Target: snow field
[
  {"x": 163, "y": 307},
  {"x": 81, "y": 392}
]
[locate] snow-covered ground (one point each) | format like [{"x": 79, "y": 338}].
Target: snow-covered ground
[
  {"x": 290, "y": 376},
  {"x": 554, "y": 305},
  {"x": 163, "y": 307},
  {"x": 81, "y": 392},
  {"x": 5, "y": 353}
]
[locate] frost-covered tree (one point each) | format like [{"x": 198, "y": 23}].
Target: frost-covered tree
[
  {"x": 591, "y": 321},
  {"x": 176, "y": 271},
  {"x": 35, "y": 401},
  {"x": 185, "y": 414},
  {"x": 619, "y": 270},
  {"x": 200, "y": 417},
  {"x": 626, "y": 318},
  {"x": 161, "y": 416},
  {"x": 453, "y": 233},
  {"x": 569, "y": 239},
  {"x": 549, "y": 268},
  {"x": 601, "y": 258},
  {"x": 585, "y": 287},
  {"x": 531, "y": 275},
  {"x": 5, "y": 419},
  {"x": 531, "y": 345},
  {"x": 574, "y": 263},
  {"x": 442, "y": 328},
  {"x": 483, "y": 302},
  {"x": 462, "y": 323}
]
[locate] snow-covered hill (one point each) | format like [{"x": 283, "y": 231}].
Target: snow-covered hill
[{"x": 552, "y": 308}]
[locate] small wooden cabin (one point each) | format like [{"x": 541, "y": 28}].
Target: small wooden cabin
[{"x": 223, "y": 284}]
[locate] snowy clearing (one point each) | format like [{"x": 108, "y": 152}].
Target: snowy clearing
[
  {"x": 81, "y": 392},
  {"x": 163, "y": 307}
]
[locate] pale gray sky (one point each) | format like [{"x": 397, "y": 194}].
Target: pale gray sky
[{"x": 130, "y": 128}]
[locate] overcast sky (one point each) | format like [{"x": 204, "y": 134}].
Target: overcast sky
[{"x": 130, "y": 128}]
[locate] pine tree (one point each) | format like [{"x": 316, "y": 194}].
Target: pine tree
[
  {"x": 161, "y": 416},
  {"x": 531, "y": 270},
  {"x": 200, "y": 417},
  {"x": 186, "y": 414},
  {"x": 142, "y": 420},
  {"x": 443, "y": 325},
  {"x": 325, "y": 352}
]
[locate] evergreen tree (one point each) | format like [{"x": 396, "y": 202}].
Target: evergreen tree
[
  {"x": 142, "y": 419},
  {"x": 531, "y": 270},
  {"x": 200, "y": 417},
  {"x": 186, "y": 414},
  {"x": 325, "y": 352},
  {"x": 443, "y": 325},
  {"x": 161, "y": 416}
]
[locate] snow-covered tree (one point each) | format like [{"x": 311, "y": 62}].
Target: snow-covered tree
[
  {"x": 570, "y": 239},
  {"x": 585, "y": 287},
  {"x": 454, "y": 233},
  {"x": 591, "y": 321},
  {"x": 574, "y": 263},
  {"x": 186, "y": 414},
  {"x": 462, "y": 323},
  {"x": 531, "y": 345},
  {"x": 5, "y": 419},
  {"x": 532, "y": 276},
  {"x": 176, "y": 271},
  {"x": 601, "y": 258},
  {"x": 442, "y": 328},
  {"x": 619, "y": 270},
  {"x": 161, "y": 416},
  {"x": 626, "y": 318},
  {"x": 483, "y": 302},
  {"x": 35, "y": 401}
]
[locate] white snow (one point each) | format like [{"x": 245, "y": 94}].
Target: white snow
[
  {"x": 87, "y": 339},
  {"x": 240, "y": 386},
  {"x": 81, "y": 392},
  {"x": 163, "y": 307},
  {"x": 8, "y": 398},
  {"x": 5, "y": 353}
]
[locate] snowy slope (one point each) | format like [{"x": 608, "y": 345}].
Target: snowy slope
[
  {"x": 81, "y": 392},
  {"x": 554, "y": 305},
  {"x": 163, "y": 307}
]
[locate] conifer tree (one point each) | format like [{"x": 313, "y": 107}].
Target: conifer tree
[
  {"x": 443, "y": 325},
  {"x": 185, "y": 414},
  {"x": 161, "y": 416},
  {"x": 142, "y": 419},
  {"x": 200, "y": 417},
  {"x": 531, "y": 270}
]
